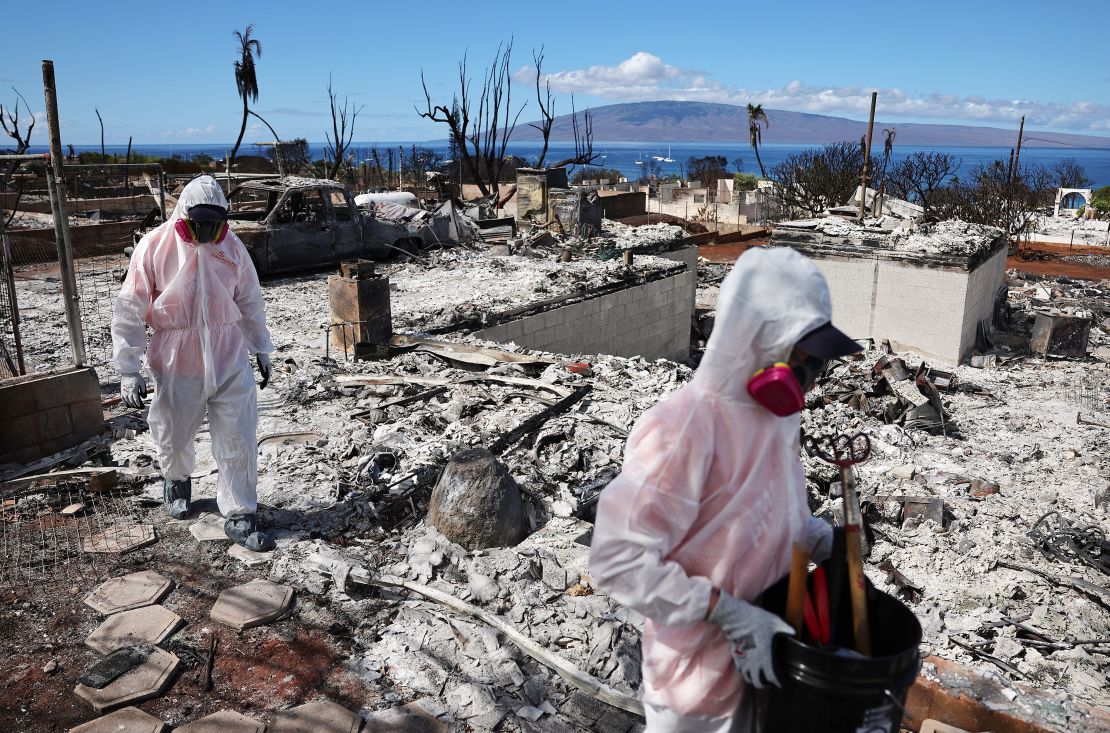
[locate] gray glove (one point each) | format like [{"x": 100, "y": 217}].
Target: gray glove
[
  {"x": 132, "y": 387},
  {"x": 264, "y": 369},
  {"x": 819, "y": 539},
  {"x": 750, "y": 629}
]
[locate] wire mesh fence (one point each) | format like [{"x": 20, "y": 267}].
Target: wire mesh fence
[
  {"x": 105, "y": 204},
  {"x": 11, "y": 345}
]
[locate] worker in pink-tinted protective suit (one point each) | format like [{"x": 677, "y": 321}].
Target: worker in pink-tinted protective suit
[
  {"x": 192, "y": 281},
  {"x": 711, "y": 498}
]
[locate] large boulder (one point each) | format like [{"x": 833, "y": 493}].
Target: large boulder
[{"x": 476, "y": 503}]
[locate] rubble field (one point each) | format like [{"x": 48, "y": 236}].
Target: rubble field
[{"x": 965, "y": 463}]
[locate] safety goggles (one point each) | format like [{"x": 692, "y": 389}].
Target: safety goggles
[{"x": 808, "y": 369}]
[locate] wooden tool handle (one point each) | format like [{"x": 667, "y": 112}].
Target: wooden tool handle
[
  {"x": 854, "y": 553},
  {"x": 796, "y": 590}
]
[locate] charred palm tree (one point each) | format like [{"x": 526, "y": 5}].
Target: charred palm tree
[
  {"x": 757, "y": 119},
  {"x": 245, "y": 80}
]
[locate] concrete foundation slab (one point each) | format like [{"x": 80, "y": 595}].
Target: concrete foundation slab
[
  {"x": 127, "y": 720},
  {"x": 119, "y": 538},
  {"x": 250, "y": 557},
  {"x": 128, "y": 591},
  {"x": 252, "y": 604},
  {"x": 316, "y": 717},
  {"x": 225, "y": 721},
  {"x": 208, "y": 528},
  {"x": 151, "y": 625},
  {"x": 149, "y": 679}
]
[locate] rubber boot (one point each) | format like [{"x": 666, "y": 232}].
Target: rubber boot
[
  {"x": 243, "y": 530},
  {"x": 177, "y": 495}
]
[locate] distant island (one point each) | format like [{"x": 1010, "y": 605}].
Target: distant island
[{"x": 708, "y": 122}]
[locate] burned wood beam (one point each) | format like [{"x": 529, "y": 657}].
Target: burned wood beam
[{"x": 533, "y": 423}]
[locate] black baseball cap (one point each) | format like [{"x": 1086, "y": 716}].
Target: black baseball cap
[
  {"x": 207, "y": 212},
  {"x": 828, "y": 342}
]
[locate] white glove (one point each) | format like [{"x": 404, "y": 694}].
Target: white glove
[
  {"x": 132, "y": 387},
  {"x": 264, "y": 369},
  {"x": 819, "y": 539},
  {"x": 751, "y": 631}
]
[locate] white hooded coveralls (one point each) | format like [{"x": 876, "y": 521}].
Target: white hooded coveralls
[
  {"x": 711, "y": 494},
  {"x": 205, "y": 306}
]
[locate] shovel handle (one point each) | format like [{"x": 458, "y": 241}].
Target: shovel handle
[{"x": 796, "y": 589}]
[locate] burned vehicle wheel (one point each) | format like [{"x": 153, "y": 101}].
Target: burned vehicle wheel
[{"x": 407, "y": 248}]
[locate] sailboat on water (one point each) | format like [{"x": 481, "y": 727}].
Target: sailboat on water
[{"x": 661, "y": 159}]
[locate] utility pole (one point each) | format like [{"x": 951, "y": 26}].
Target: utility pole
[
  {"x": 867, "y": 160},
  {"x": 1017, "y": 156},
  {"x": 61, "y": 221}
]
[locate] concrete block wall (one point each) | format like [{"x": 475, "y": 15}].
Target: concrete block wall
[
  {"x": 618, "y": 205},
  {"x": 930, "y": 309},
  {"x": 47, "y": 413},
  {"x": 689, "y": 257},
  {"x": 851, "y": 287},
  {"x": 979, "y": 301},
  {"x": 921, "y": 308},
  {"x": 650, "y": 320}
]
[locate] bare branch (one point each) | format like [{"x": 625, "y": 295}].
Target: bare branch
[
  {"x": 480, "y": 127},
  {"x": 583, "y": 139},
  {"x": 342, "y": 130},
  {"x": 547, "y": 108}
]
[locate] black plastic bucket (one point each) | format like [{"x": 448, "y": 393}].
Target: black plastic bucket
[{"x": 834, "y": 692}]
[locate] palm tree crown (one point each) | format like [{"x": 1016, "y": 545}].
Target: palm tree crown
[
  {"x": 756, "y": 116},
  {"x": 245, "y": 79}
]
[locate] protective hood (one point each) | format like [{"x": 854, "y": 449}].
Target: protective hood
[
  {"x": 770, "y": 299},
  {"x": 200, "y": 190}
]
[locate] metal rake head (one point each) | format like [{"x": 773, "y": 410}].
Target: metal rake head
[{"x": 841, "y": 450}]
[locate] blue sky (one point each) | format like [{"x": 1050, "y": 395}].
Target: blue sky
[{"x": 162, "y": 72}]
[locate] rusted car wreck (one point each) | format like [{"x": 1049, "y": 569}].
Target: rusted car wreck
[{"x": 291, "y": 223}]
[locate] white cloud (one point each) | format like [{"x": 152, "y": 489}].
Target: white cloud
[
  {"x": 644, "y": 76},
  {"x": 190, "y": 131}
]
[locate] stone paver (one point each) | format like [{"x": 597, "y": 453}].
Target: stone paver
[
  {"x": 252, "y": 604},
  {"x": 128, "y": 591},
  {"x": 149, "y": 679},
  {"x": 127, "y": 720},
  {"x": 225, "y": 721},
  {"x": 250, "y": 557},
  {"x": 150, "y": 625},
  {"x": 119, "y": 538},
  {"x": 409, "y": 718},
  {"x": 208, "y": 528},
  {"x": 316, "y": 717}
]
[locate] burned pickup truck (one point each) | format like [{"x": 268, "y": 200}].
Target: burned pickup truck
[{"x": 290, "y": 224}]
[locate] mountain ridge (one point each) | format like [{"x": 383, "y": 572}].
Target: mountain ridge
[{"x": 677, "y": 121}]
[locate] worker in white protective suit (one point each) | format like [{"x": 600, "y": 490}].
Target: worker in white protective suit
[
  {"x": 711, "y": 498},
  {"x": 192, "y": 281}
]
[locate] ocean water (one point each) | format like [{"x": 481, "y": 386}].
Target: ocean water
[{"x": 628, "y": 156}]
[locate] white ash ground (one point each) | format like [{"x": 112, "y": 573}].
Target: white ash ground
[
  {"x": 463, "y": 284},
  {"x": 623, "y": 236},
  {"x": 1024, "y": 438},
  {"x": 953, "y": 237},
  {"x": 1074, "y": 231}
]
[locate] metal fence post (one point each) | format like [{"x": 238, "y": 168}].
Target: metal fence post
[{"x": 56, "y": 180}]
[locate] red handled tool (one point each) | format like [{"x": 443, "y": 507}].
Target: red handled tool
[{"x": 845, "y": 451}]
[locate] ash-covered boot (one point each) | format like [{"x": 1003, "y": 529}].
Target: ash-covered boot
[
  {"x": 176, "y": 496},
  {"x": 243, "y": 530}
]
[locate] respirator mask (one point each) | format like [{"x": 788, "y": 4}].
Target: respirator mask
[
  {"x": 203, "y": 224},
  {"x": 781, "y": 387}
]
